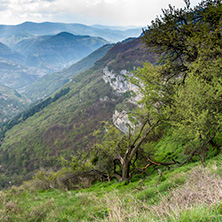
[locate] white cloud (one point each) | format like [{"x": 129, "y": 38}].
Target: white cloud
[{"x": 113, "y": 12}]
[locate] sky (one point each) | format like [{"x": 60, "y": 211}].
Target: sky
[{"x": 89, "y": 12}]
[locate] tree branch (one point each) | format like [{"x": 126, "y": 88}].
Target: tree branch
[{"x": 137, "y": 146}]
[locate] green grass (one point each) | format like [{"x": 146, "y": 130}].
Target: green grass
[{"x": 141, "y": 200}]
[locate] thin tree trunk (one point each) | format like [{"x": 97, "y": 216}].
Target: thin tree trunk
[{"x": 126, "y": 170}]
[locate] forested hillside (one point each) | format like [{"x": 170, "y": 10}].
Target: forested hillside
[
  {"x": 167, "y": 165},
  {"x": 66, "y": 125}
]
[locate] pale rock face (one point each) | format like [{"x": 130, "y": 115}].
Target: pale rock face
[
  {"x": 120, "y": 84},
  {"x": 117, "y": 82},
  {"x": 121, "y": 121}
]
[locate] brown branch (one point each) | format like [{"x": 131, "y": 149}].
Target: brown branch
[
  {"x": 198, "y": 148},
  {"x": 117, "y": 150},
  {"x": 141, "y": 130},
  {"x": 137, "y": 146},
  {"x": 163, "y": 163},
  {"x": 136, "y": 158},
  {"x": 144, "y": 169},
  {"x": 138, "y": 168},
  {"x": 188, "y": 159},
  {"x": 117, "y": 176},
  {"x": 114, "y": 166}
]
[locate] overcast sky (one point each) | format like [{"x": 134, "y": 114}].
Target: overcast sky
[{"x": 89, "y": 12}]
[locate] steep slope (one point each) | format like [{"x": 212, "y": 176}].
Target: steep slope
[
  {"x": 12, "y": 39},
  {"x": 11, "y": 103},
  {"x": 48, "y": 84},
  {"x": 57, "y": 50},
  {"x": 17, "y": 76},
  {"x": 8, "y": 32},
  {"x": 7, "y": 54},
  {"x": 13, "y": 72},
  {"x": 66, "y": 125}
]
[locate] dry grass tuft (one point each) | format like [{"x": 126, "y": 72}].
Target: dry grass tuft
[
  {"x": 200, "y": 189},
  {"x": 121, "y": 210}
]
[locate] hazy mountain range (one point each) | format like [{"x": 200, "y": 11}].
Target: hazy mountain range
[
  {"x": 57, "y": 50},
  {"x": 10, "y": 34},
  {"x": 29, "y": 50}
]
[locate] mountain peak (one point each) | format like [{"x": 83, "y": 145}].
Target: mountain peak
[{"x": 65, "y": 34}]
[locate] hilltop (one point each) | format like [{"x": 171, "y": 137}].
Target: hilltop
[{"x": 57, "y": 50}]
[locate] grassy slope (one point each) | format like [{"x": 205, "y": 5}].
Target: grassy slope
[
  {"x": 11, "y": 103},
  {"x": 188, "y": 193},
  {"x": 48, "y": 84},
  {"x": 67, "y": 124}
]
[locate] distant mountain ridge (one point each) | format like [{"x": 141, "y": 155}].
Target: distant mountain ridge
[
  {"x": 8, "y": 54},
  {"x": 57, "y": 50},
  {"x": 50, "y": 28},
  {"x": 36, "y": 56}
]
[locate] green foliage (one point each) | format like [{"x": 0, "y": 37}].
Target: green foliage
[
  {"x": 196, "y": 106},
  {"x": 180, "y": 33},
  {"x": 184, "y": 90},
  {"x": 105, "y": 148}
]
